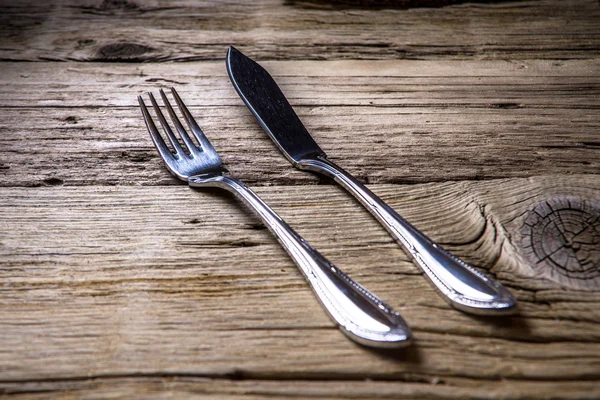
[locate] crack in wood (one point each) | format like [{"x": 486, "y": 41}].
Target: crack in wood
[{"x": 561, "y": 238}]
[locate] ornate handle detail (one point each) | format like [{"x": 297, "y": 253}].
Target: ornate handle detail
[
  {"x": 359, "y": 313},
  {"x": 460, "y": 284}
]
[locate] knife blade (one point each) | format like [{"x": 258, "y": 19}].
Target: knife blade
[
  {"x": 460, "y": 284},
  {"x": 265, "y": 100}
]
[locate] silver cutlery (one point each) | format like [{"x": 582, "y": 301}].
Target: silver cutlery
[
  {"x": 460, "y": 284},
  {"x": 359, "y": 313}
]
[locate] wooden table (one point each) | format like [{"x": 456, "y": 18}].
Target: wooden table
[{"x": 478, "y": 122}]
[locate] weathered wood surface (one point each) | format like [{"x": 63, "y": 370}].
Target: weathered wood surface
[
  {"x": 167, "y": 387},
  {"x": 120, "y": 282},
  {"x": 126, "y": 30},
  {"x": 165, "y": 280},
  {"x": 421, "y": 121},
  {"x": 477, "y": 122}
]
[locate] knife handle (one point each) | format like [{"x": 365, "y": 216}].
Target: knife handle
[
  {"x": 460, "y": 284},
  {"x": 359, "y": 314}
]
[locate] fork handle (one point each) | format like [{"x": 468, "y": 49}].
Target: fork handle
[
  {"x": 461, "y": 285},
  {"x": 359, "y": 314}
]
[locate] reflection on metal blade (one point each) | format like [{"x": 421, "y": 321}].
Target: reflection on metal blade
[{"x": 270, "y": 107}]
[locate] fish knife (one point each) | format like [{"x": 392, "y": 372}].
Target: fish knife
[{"x": 460, "y": 284}]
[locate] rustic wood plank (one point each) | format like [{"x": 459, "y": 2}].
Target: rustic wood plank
[
  {"x": 386, "y": 122},
  {"x": 190, "y": 387},
  {"x": 150, "y": 289},
  {"x": 96, "y": 30},
  {"x": 392, "y": 82},
  {"x": 128, "y": 281}
]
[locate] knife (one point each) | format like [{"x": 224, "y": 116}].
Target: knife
[{"x": 461, "y": 285}]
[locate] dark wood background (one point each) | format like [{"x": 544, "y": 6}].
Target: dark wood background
[{"x": 478, "y": 122}]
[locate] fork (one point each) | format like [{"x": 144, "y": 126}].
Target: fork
[{"x": 359, "y": 314}]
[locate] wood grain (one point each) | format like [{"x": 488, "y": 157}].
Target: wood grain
[
  {"x": 477, "y": 122},
  {"x": 189, "y": 387},
  {"x": 422, "y": 121},
  {"x": 115, "y": 286},
  {"x": 156, "y": 31}
]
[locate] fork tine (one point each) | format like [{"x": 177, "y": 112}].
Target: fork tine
[
  {"x": 166, "y": 126},
  {"x": 160, "y": 144},
  {"x": 202, "y": 139},
  {"x": 186, "y": 138}
]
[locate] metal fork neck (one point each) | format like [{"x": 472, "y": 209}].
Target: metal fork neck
[
  {"x": 360, "y": 314},
  {"x": 212, "y": 175}
]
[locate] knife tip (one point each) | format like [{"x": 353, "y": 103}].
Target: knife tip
[
  {"x": 231, "y": 50},
  {"x": 234, "y": 56}
]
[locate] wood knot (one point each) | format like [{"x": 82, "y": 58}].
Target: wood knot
[
  {"x": 124, "y": 52},
  {"x": 561, "y": 238},
  {"x": 122, "y": 4}
]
